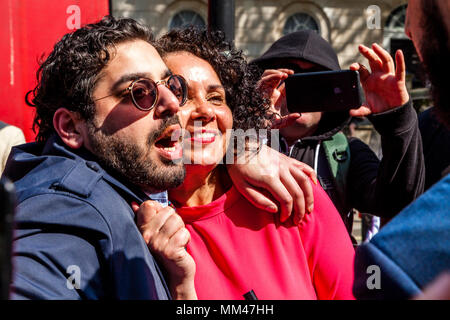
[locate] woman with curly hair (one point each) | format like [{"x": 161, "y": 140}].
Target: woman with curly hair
[{"x": 236, "y": 247}]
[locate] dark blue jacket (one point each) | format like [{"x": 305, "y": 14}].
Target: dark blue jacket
[
  {"x": 75, "y": 234},
  {"x": 411, "y": 250}
]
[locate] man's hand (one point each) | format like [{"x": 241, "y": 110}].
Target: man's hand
[
  {"x": 166, "y": 236},
  {"x": 385, "y": 86},
  {"x": 270, "y": 87},
  {"x": 274, "y": 182}
]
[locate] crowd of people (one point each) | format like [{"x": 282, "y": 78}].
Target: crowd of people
[{"x": 130, "y": 179}]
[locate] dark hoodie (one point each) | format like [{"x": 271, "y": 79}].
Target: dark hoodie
[{"x": 380, "y": 188}]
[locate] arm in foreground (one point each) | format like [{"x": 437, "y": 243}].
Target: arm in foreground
[{"x": 274, "y": 182}]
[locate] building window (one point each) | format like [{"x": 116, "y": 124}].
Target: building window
[
  {"x": 187, "y": 18},
  {"x": 396, "y": 20},
  {"x": 300, "y": 21}
]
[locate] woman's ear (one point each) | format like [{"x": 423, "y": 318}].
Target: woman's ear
[{"x": 69, "y": 125}]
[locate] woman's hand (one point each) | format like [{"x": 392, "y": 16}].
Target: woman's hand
[
  {"x": 385, "y": 86},
  {"x": 166, "y": 236}
]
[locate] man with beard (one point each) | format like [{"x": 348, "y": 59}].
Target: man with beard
[
  {"x": 106, "y": 109},
  {"x": 414, "y": 248}
]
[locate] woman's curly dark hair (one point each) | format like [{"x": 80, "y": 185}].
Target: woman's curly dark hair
[
  {"x": 250, "y": 109},
  {"x": 69, "y": 74}
]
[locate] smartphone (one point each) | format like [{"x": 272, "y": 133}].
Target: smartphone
[
  {"x": 7, "y": 209},
  {"x": 330, "y": 91}
]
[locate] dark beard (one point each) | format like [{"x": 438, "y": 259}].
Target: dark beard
[
  {"x": 436, "y": 52},
  {"x": 132, "y": 162}
]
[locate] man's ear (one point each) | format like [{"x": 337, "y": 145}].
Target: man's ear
[{"x": 69, "y": 126}]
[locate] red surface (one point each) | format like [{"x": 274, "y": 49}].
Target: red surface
[{"x": 29, "y": 29}]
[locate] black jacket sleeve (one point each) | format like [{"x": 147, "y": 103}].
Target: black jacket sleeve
[{"x": 385, "y": 188}]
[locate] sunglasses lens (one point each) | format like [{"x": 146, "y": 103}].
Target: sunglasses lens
[
  {"x": 144, "y": 94},
  {"x": 177, "y": 85}
]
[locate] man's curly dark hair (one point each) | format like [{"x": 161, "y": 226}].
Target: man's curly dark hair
[
  {"x": 250, "y": 109},
  {"x": 69, "y": 74}
]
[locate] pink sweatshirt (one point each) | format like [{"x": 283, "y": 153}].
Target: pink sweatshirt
[{"x": 238, "y": 248}]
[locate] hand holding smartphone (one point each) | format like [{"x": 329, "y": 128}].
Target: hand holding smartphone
[{"x": 325, "y": 91}]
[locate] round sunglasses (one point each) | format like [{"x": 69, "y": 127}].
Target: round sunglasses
[{"x": 144, "y": 92}]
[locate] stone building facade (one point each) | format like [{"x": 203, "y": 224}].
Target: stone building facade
[{"x": 258, "y": 23}]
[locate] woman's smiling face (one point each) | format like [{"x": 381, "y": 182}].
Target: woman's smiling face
[{"x": 206, "y": 116}]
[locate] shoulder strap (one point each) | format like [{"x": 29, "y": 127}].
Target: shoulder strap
[{"x": 337, "y": 152}]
